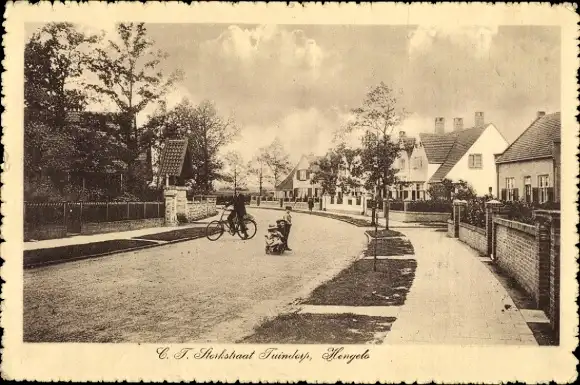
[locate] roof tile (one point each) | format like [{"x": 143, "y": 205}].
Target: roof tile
[
  {"x": 536, "y": 141},
  {"x": 173, "y": 157}
]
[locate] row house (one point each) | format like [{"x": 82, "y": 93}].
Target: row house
[
  {"x": 462, "y": 154},
  {"x": 529, "y": 169}
]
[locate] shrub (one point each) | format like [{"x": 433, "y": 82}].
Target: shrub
[
  {"x": 475, "y": 212},
  {"x": 430, "y": 206},
  {"x": 182, "y": 218},
  {"x": 396, "y": 205}
]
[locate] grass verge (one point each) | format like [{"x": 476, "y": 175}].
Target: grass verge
[
  {"x": 53, "y": 255},
  {"x": 322, "y": 329},
  {"x": 384, "y": 233},
  {"x": 389, "y": 247},
  {"x": 359, "y": 285},
  {"x": 174, "y": 235}
]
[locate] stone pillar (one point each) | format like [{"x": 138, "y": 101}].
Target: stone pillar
[
  {"x": 170, "y": 195},
  {"x": 181, "y": 198},
  {"x": 458, "y": 211},
  {"x": 548, "y": 243},
  {"x": 491, "y": 209}
]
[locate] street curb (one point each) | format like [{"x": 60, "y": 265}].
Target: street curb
[
  {"x": 313, "y": 213},
  {"x": 81, "y": 258}
]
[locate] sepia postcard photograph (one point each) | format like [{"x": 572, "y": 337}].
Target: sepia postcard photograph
[{"x": 290, "y": 192}]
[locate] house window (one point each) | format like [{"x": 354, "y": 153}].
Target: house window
[
  {"x": 475, "y": 161},
  {"x": 528, "y": 189},
  {"x": 302, "y": 175},
  {"x": 510, "y": 184},
  {"x": 402, "y": 164},
  {"x": 417, "y": 162},
  {"x": 543, "y": 185}
]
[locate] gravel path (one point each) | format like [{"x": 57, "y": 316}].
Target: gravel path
[{"x": 197, "y": 291}]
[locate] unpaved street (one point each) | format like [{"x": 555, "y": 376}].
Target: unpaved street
[{"x": 196, "y": 291}]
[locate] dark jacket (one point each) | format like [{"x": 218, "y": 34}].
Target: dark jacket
[{"x": 239, "y": 205}]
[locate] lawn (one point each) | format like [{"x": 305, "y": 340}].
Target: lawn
[
  {"x": 384, "y": 233},
  {"x": 359, "y": 285},
  {"x": 174, "y": 235},
  {"x": 389, "y": 247},
  {"x": 61, "y": 254},
  {"x": 322, "y": 329}
]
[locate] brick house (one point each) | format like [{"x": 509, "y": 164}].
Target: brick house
[
  {"x": 298, "y": 184},
  {"x": 462, "y": 154},
  {"x": 529, "y": 169},
  {"x": 403, "y": 166}
]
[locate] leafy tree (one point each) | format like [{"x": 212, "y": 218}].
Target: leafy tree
[
  {"x": 206, "y": 131},
  {"x": 277, "y": 160},
  {"x": 351, "y": 163},
  {"x": 448, "y": 189},
  {"x": 128, "y": 76},
  {"x": 54, "y": 60},
  {"x": 377, "y": 117},
  {"x": 326, "y": 172}
]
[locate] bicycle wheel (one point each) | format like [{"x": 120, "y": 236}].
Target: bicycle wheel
[
  {"x": 251, "y": 229},
  {"x": 214, "y": 230}
]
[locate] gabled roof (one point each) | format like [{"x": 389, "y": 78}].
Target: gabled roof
[
  {"x": 437, "y": 146},
  {"x": 173, "y": 157},
  {"x": 535, "y": 142},
  {"x": 288, "y": 182},
  {"x": 462, "y": 142},
  {"x": 407, "y": 143}
]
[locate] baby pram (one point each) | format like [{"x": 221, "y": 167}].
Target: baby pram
[{"x": 275, "y": 239}]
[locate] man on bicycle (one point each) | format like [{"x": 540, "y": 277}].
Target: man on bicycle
[{"x": 239, "y": 211}]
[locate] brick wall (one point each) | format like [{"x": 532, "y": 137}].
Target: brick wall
[
  {"x": 45, "y": 232},
  {"x": 516, "y": 253},
  {"x": 110, "y": 227},
  {"x": 473, "y": 236}
]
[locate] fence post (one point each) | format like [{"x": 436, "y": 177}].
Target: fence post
[
  {"x": 127, "y": 210},
  {"x": 81, "y": 217},
  {"x": 491, "y": 208},
  {"x": 158, "y": 209},
  {"x": 144, "y": 210},
  {"x": 458, "y": 208},
  {"x": 64, "y": 218}
]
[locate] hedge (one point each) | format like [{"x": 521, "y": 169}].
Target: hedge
[{"x": 430, "y": 206}]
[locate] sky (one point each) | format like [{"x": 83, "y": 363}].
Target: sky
[{"x": 299, "y": 83}]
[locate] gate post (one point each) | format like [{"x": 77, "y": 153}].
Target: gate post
[
  {"x": 458, "y": 211},
  {"x": 491, "y": 209}
]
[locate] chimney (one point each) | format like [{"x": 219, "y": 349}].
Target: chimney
[
  {"x": 440, "y": 125},
  {"x": 479, "y": 120},
  {"x": 540, "y": 114},
  {"x": 457, "y": 124}
]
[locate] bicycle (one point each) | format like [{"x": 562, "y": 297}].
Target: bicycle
[{"x": 215, "y": 229}]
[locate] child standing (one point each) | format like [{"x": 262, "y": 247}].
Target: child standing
[{"x": 288, "y": 219}]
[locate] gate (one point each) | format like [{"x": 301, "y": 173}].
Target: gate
[{"x": 74, "y": 217}]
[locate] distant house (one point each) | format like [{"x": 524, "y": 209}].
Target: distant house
[
  {"x": 298, "y": 184},
  {"x": 403, "y": 165},
  {"x": 529, "y": 169},
  {"x": 462, "y": 154}
]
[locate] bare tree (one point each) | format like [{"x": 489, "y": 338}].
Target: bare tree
[
  {"x": 277, "y": 160},
  {"x": 236, "y": 173}
]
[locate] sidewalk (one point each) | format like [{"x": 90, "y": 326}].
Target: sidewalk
[
  {"x": 382, "y": 222},
  {"x": 85, "y": 239},
  {"x": 455, "y": 299}
]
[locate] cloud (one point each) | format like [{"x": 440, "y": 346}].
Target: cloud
[
  {"x": 267, "y": 44},
  {"x": 476, "y": 39},
  {"x": 302, "y": 131}
]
